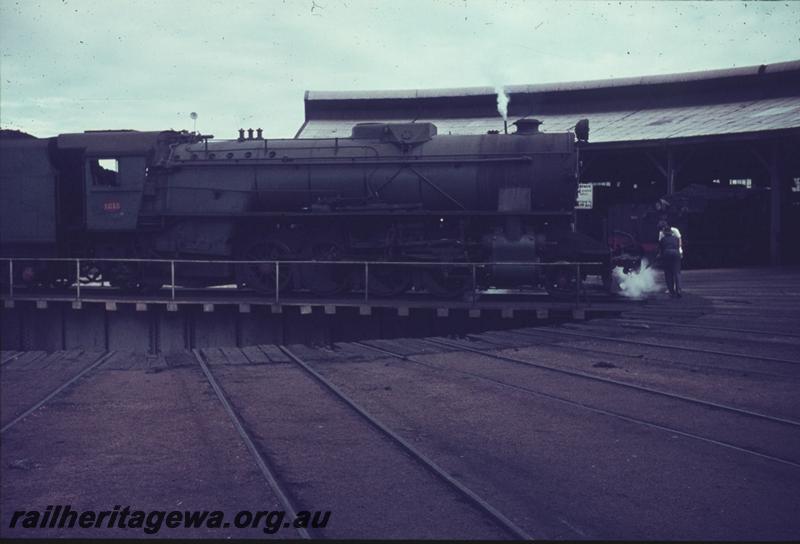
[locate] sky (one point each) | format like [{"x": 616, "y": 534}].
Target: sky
[{"x": 75, "y": 65}]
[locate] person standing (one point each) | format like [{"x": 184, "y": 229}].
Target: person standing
[
  {"x": 669, "y": 249},
  {"x": 675, "y": 232}
]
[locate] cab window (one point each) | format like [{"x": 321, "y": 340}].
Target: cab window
[{"x": 105, "y": 172}]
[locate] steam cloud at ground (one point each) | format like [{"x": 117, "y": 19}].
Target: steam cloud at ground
[{"x": 638, "y": 283}]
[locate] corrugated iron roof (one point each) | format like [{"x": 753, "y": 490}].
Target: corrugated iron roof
[
  {"x": 683, "y": 77},
  {"x": 621, "y": 125},
  {"x": 719, "y": 102}
]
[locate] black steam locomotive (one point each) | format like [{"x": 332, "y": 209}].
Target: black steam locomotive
[{"x": 392, "y": 192}]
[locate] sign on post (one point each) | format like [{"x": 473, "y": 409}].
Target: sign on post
[{"x": 585, "y": 193}]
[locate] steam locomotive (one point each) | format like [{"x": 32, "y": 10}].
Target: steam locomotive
[{"x": 390, "y": 193}]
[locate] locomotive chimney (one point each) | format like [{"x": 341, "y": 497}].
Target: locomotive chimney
[
  {"x": 258, "y": 134},
  {"x": 527, "y": 126},
  {"x": 241, "y": 134},
  {"x": 249, "y": 133},
  {"x": 582, "y": 130}
]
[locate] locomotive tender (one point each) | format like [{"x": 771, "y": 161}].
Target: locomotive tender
[{"x": 391, "y": 192}]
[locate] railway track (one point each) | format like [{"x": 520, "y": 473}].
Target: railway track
[
  {"x": 716, "y": 311},
  {"x": 622, "y": 321},
  {"x": 26, "y": 357},
  {"x": 758, "y": 324},
  {"x": 470, "y": 495},
  {"x": 266, "y": 472},
  {"x": 55, "y": 392},
  {"x": 665, "y": 346},
  {"x": 761, "y": 343},
  {"x": 595, "y": 409},
  {"x": 519, "y": 339},
  {"x": 314, "y": 369},
  {"x": 337, "y": 395},
  {"x": 11, "y": 357},
  {"x": 628, "y": 385}
]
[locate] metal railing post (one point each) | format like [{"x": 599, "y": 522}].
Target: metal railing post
[
  {"x": 366, "y": 281},
  {"x": 172, "y": 277},
  {"x": 78, "y": 278},
  {"x": 474, "y": 283},
  {"x": 277, "y": 283},
  {"x": 578, "y": 284},
  {"x": 11, "y": 278}
]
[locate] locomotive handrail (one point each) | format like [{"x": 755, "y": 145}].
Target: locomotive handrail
[
  {"x": 218, "y": 148},
  {"x": 442, "y": 157},
  {"x": 305, "y": 161}
]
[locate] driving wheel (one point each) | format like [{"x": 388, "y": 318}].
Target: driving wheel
[
  {"x": 261, "y": 276},
  {"x": 327, "y": 279},
  {"x": 447, "y": 281}
]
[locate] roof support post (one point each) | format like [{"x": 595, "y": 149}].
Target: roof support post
[
  {"x": 656, "y": 162},
  {"x": 673, "y": 166},
  {"x": 668, "y": 172},
  {"x": 760, "y": 157},
  {"x": 775, "y": 205},
  {"x": 671, "y": 171},
  {"x": 772, "y": 164}
]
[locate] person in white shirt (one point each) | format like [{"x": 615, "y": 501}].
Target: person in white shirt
[
  {"x": 668, "y": 252},
  {"x": 675, "y": 232}
]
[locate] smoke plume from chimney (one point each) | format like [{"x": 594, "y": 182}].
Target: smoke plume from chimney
[{"x": 502, "y": 102}]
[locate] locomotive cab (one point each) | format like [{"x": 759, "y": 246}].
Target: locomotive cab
[{"x": 114, "y": 169}]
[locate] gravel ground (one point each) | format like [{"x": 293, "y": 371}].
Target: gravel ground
[
  {"x": 32, "y": 376},
  {"x": 741, "y": 430},
  {"x": 336, "y": 461},
  {"x": 149, "y": 440},
  {"x": 560, "y": 467},
  {"x": 774, "y": 395}
]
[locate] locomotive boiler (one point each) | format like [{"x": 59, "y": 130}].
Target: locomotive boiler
[{"x": 388, "y": 193}]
